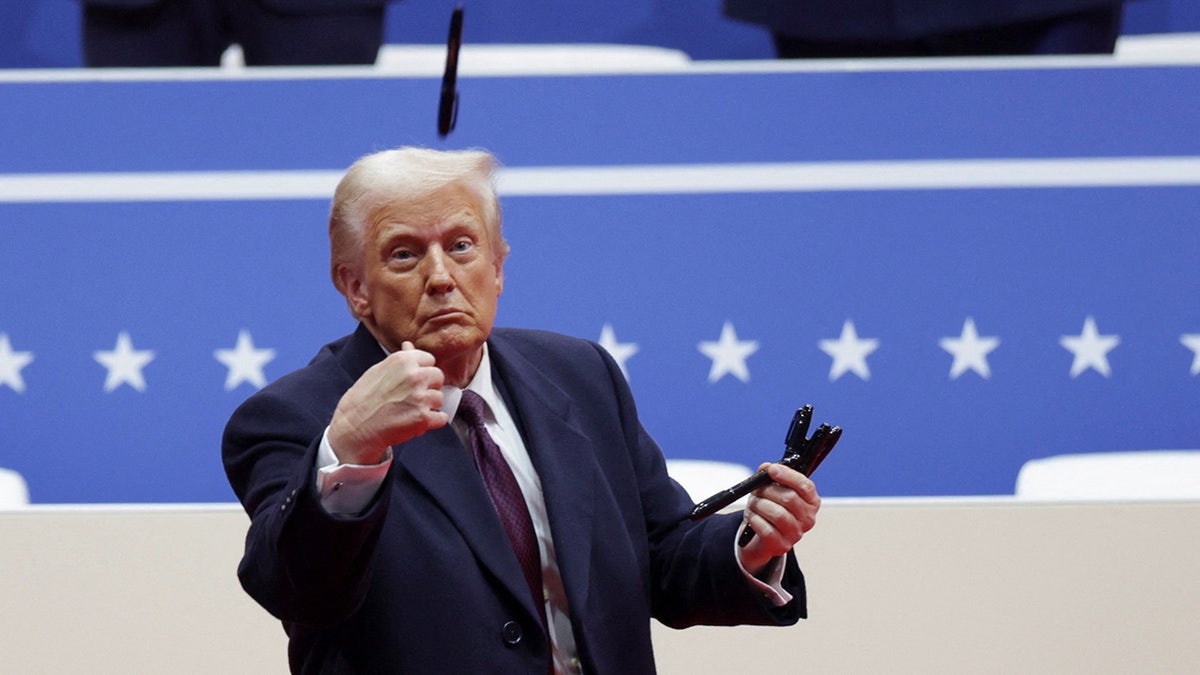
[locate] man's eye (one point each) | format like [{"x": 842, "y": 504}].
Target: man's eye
[
  {"x": 462, "y": 245},
  {"x": 402, "y": 254}
]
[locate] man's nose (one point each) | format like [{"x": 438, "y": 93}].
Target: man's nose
[{"x": 438, "y": 278}]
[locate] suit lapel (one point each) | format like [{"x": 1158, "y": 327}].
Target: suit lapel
[
  {"x": 359, "y": 353},
  {"x": 444, "y": 467},
  {"x": 563, "y": 457}
]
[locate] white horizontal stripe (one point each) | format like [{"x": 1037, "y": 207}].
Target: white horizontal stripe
[
  {"x": 842, "y": 176},
  {"x": 170, "y": 186},
  {"x": 632, "y": 179}
]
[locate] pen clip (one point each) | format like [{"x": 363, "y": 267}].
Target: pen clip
[{"x": 797, "y": 432}]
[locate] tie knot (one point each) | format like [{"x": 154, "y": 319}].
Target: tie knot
[{"x": 471, "y": 408}]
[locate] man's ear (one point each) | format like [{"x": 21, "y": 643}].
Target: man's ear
[{"x": 350, "y": 283}]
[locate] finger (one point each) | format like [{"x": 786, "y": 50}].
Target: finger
[
  {"x": 429, "y": 397},
  {"x": 783, "y": 513},
  {"x": 801, "y": 512},
  {"x": 432, "y": 376},
  {"x": 752, "y": 524},
  {"x": 799, "y": 483},
  {"x": 779, "y": 503},
  {"x": 436, "y": 419},
  {"x": 790, "y": 488},
  {"x": 771, "y": 537},
  {"x": 782, "y": 480},
  {"x": 785, "y": 475},
  {"x": 424, "y": 358},
  {"x": 410, "y": 353}
]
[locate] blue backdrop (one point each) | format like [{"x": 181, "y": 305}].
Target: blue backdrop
[{"x": 788, "y": 269}]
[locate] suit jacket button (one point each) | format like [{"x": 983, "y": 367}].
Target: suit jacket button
[{"x": 512, "y": 634}]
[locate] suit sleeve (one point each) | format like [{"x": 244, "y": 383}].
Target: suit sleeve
[
  {"x": 301, "y": 563},
  {"x": 694, "y": 574}
]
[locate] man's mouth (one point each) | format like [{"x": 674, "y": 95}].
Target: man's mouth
[{"x": 445, "y": 314}]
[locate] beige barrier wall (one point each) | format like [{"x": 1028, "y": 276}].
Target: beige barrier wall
[{"x": 896, "y": 586}]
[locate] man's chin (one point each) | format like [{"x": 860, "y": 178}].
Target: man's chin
[{"x": 449, "y": 342}]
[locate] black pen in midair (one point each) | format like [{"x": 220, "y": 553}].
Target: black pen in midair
[{"x": 448, "y": 101}]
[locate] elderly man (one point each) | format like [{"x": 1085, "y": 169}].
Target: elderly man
[{"x": 432, "y": 494}]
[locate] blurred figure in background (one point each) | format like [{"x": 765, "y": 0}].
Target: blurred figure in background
[
  {"x": 137, "y": 33},
  {"x": 904, "y": 28}
]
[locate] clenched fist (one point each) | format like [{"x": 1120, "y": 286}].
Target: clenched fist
[{"x": 397, "y": 399}]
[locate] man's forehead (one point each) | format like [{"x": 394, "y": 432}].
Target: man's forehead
[
  {"x": 443, "y": 207},
  {"x": 417, "y": 222}
]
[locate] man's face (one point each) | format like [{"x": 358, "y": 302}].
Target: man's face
[{"x": 430, "y": 276}]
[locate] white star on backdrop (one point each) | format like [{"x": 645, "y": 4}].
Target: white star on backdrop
[
  {"x": 11, "y": 364},
  {"x": 1192, "y": 342},
  {"x": 1090, "y": 349},
  {"x": 728, "y": 355},
  {"x": 245, "y": 363},
  {"x": 620, "y": 351},
  {"x": 849, "y": 353},
  {"x": 970, "y": 351},
  {"x": 124, "y": 364}
]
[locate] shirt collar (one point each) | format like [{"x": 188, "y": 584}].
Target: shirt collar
[{"x": 481, "y": 384}]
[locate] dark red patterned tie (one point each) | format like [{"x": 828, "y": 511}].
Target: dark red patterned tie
[{"x": 506, "y": 495}]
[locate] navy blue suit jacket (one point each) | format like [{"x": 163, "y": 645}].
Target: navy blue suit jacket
[{"x": 425, "y": 580}]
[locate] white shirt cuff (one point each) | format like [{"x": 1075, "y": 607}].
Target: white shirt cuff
[
  {"x": 772, "y": 585},
  {"x": 347, "y": 489}
]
